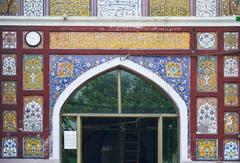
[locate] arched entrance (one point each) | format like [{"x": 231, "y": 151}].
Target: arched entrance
[{"x": 136, "y": 69}]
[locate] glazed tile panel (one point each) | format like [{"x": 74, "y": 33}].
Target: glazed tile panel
[
  {"x": 33, "y": 72},
  {"x": 231, "y": 94},
  {"x": 33, "y": 113},
  {"x": 9, "y": 40},
  {"x": 118, "y": 8},
  {"x": 231, "y": 123},
  {"x": 9, "y": 121},
  {"x": 9, "y": 92},
  {"x": 206, "y": 40},
  {"x": 230, "y": 41},
  {"x": 231, "y": 66},
  {"x": 169, "y": 7},
  {"x": 206, "y": 149},
  {"x": 231, "y": 149},
  {"x": 230, "y": 7},
  {"x": 206, "y": 8},
  {"x": 9, "y": 147},
  {"x": 9, "y": 8},
  {"x": 9, "y": 64},
  {"x": 207, "y": 115},
  {"x": 33, "y": 7},
  {"x": 207, "y": 74},
  {"x": 33, "y": 147}
]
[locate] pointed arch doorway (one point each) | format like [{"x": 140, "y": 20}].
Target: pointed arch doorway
[
  {"x": 153, "y": 79},
  {"x": 118, "y": 117}
]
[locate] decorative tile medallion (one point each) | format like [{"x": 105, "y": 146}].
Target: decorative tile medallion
[
  {"x": 207, "y": 115},
  {"x": 231, "y": 40},
  {"x": 39, "y": 46},
  {"x": 70, "y": 8},
  {"x": 169, "y": 8},
  {"x": 9, "y": 7},
  {"x": 9, "y": 64},
  {"x": 207, "y": 74},
  {"x": 9, "y": 40},
  {"x": 9, "y": 147},
  {"x": 231, "y": 123},
  {"x": 173, "y": 69},
  {"x": 33, "y": 113},
  {"x": 33, "y": 7},
  {"x": 230, "y": 7},
  {"x": 231, "y": 94},
  {"x": 231, "y": 66},
  {"x": 33, "y": 147},
  {"x": 206, "y": 8},
  {"x": 118, "y": 8},
  {"x": 9, "y": 121},
  {"x": 33, "y": 72},
  {"x": 65, "y": 69},
  {"x": 206, "y": 40},
  {"x": 231, "y": 149},
  {"x": 206, "y": 149},
  {"x": 9, "y": 92}
]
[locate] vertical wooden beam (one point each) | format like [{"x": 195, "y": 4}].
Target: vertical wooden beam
[{"x": 160, "y": 139}]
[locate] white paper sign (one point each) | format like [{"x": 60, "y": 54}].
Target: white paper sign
[{"x": 70, "y": 140}]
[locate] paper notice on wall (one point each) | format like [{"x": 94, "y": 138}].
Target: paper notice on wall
[{"x": 70, "y": 140}]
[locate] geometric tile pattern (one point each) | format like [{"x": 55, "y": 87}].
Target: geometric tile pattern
[
  {"x": 231, "y": 66},
  {"x": 118, "y": 8},
  {"x": 9, "y": 92},
  {"x": 230, "y": 40},
  {"x": 206, "y": 8},
  {"x": 174, "y": 69},
  {"x": 33, "y": 113},
  {"x": 169, "y": 8},
  {"x": 33, "y": 7},
  {"x": 9, "y": 64},
  {"x": 231, "y": 123},
  {"x": 9, "y": 121},
  {"x": 231, "y": 94},
  {"x": 207, "y": 115},
  {"x": 230, "y": 7},
  {"x": 207, "y": 74},
  {"x": 33, "y": 72},
  {"x": 33, "y": 147},
  {"x": 9, "y": 40},
  {"x": 231, "y": 149},
  {"x": 207, "y": 149},
  {"x": 9, "y": 147},
  {"x": 71, "y": 8},
  {"x": 206, "y": 40}
]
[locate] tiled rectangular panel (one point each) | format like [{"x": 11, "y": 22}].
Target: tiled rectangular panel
[
  {"x": 9, "y": 118},
  {"x": 207, "y": 149},
  {"x": 70, "y": 8},
  {"x": 33, "y": 72},
  {"x": 33, "y": 7},
  {"x": 9, "y": 92},
  {"x": 9, "y": 64},
  {"x": 9, "y": 39},
  {"x": 231, "y": 123},
  {"x": 207, "y": 115},
  {"x": 231, "y": 40},
  {"x": 231, "y": 94},
  {"x": 9, "y": 147},
  {"x": 207, "y": 74},
  {"x": 169, "y": 7},
  {"x": 206, "y": 40},
  {"x": 231, "y": 66},
  {"x": 230, "y": 7},
  {"x": 231, "y": 149},
  {"x": 33, "y": 113},
  {"x": 206, "y": 8},
  {"x": 33, "y": 147},
  {"x": 9, "y": 7}
]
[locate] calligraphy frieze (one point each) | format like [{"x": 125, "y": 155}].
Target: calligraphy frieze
[{"x": 120, "y": 40}]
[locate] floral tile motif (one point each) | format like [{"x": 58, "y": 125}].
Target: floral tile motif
[
  {"x": 9, "y": 121},
  {"x": 118, "y": 8},
  {"x": 9, "y": 92},
  {"x": 33, "y": 147},
  {"x": 33, "y": 7},
  {"x": 207, "y": 115},
  {"x": 9, "y": 8},
  {"x": 230, "y": 7},
  {"x": 174, "y": 69},
  {"x": 231, "y": 40},
  {"x": 9, "y": 64},
  {"x": 231, "y": 149},
  {"x": 231, "y": 94},
  {"x": 231, "y": 66},
  {"x": 33, "y": 72},
  {"x": 206, "y": 8},
  {"x": 169, "y": 7},
  {"x": 9, "y": 40},
  {"x": 33, "y": 113},
  {"x": 207, "y": 74},
  {"x": 231, "y": 123},
  {"x": 9, "y": 147},
  {"x": 71, "y": 8},
  {"x": 206, "y": 40},
  {"x": 65, "y": 69},
  {"x": 206, "y": 149}
]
